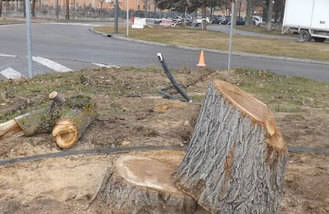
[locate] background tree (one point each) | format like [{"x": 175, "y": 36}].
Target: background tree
[
  {"x": 269, "y": 15},
  {"x": 67, "y": 14},
  {"x": 250, "y": 11},
  {"x": 278, "y": 9},
  {"x": 33, "y": 8},
  {"x": 0, "y": 8}
]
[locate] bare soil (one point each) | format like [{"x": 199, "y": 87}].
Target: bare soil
[{"x": 131, "y": 113}]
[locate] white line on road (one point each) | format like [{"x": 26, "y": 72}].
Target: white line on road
[
  {"x": 51, "y": 64},
  {"x": 11, "y": 73},
  {"x": 76, "y": 24},
  {"x": 105, "y": 66},
  {"x": 7, "y": 55}
]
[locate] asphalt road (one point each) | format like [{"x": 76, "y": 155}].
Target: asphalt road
[{"x": 65, "y": 47}]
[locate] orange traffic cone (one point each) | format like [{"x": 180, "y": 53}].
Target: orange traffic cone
[{"x": 202, "y": 62}]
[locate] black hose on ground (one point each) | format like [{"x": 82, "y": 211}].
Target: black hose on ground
[
  {"x": 108, "y": 150},
  {"x": 120, "y": 150},
  {"x": 186, "y": 98}
]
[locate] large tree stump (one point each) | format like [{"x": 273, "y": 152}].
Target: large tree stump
[
  {"x": 235, "y": 162},
  {"x": 145, "y": 186}
]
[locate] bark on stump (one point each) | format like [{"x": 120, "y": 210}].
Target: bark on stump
[
  {"x": 235, "y": 162},
  {"x": 145, "y": 186}
]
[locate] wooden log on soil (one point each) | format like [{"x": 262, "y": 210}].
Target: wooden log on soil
[
  {"x": 77, "y": 114},
  {"x": 235, "y": 162},
  {"x": 9, "y": 128},
  {"x": 44, "y": 119},
  {"x": 66, "y": 119},
  {"x": 143, "y": 185}
]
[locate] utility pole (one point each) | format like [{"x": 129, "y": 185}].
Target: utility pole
[
  {"x": 127, "y": 21},
  {"x": 116, "y": 11},
  {"x": 231, "y": 37},
  {"x": 28, "y": 38}
]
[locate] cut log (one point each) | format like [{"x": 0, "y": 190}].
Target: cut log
[
  {"x": 235, "y": 162},
  {"x": 66, "y": 119},
  {"x": 143, "y": 185},
  {"x": 9, "y": 128},
  {"x": 77, "y": 114},
  {"x": 57, "y": 98}
]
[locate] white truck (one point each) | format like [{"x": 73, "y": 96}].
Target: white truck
[{"x": 309, "y": 18}]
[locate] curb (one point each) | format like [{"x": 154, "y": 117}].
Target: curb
[{"x": 288, "y": 59}]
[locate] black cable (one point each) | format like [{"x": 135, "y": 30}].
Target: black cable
[
  {"x": 118, "y": 150},
  {"x": 173, "y": 82},
  {"x": 108, "y": 150}
]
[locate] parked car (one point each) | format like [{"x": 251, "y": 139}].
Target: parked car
[
  {"x": 198, "y": 20},
  {"x": 257, "y": 20},
  {"x": 226, "y": 20},
  {"x": 240, "y": 21},
  {"x": 217, "y": 19}
]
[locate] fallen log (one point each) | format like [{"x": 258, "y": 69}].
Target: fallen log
[
  {"x": 9, "y": 128},
  {"x": 77, "y": 114},
  {"x": 235, "y": 162},
  {"x": 143, "y": 185},
  {"x": 66, "y": 119}
]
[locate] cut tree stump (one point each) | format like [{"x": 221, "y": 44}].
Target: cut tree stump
[
  {"x": 235, "y": 162},
  {"x": 143, "y": 185}
]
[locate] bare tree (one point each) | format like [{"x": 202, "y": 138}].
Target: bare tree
[
  {"x": 204, "y": 11},
  {"x": 67, "y": 15},
  {"x": 0, "y": 8},
  {"x": 249, "y": 12},
  {"x": 269, "y": 15},
  {"x": 101, "y": 2},
  {"x": 33, "y": 8}
]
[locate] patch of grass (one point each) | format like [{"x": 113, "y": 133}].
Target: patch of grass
[
  {"x": 24, "y": 95},
  {"x": 217, "y": 40},
  {"x": 283, "y": 93},
  {"x": 258, "y": 29},
  {"x": 8, "y": 21}
]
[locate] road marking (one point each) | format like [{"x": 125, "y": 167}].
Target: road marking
[
  {"x": 105, "y": 66},
  {"x": 11, "y": 73},
  {"x": 51, "y": 64},
  {"x": 7, "y": 55},
  {"x": 76, "y": 24}
]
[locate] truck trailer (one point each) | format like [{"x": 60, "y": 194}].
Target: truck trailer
[{"x": 308, "y": 18}]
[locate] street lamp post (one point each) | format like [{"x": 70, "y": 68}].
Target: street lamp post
[
  {"x": 28, "y": 38},
  {"x": 231, "y": 38},
  {"x": 116, "y": 11}
]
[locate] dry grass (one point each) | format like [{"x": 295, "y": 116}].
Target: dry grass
[
  {"x": 7, "y": 21},
  {"x": 258, "y": 29},
  {"x": 219, "y": 41}
]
